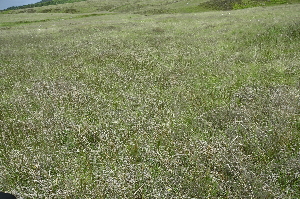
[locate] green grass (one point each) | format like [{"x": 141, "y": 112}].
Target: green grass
[
  {"x": 123, "y": 105},
  {"x": 43, "y": 3},
  {"x": 150, "y": 7}
]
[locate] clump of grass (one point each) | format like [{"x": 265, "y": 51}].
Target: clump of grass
[
  {"x": 221, "y": 4},
  {"x": 260, "y": 124},
  {"x": 255, "y": 3}
]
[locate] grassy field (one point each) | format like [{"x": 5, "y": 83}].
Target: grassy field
[
  {"x": 125, "y": 6},
  {"x": 148, "y": 7},
  {"x": 124, "y": 104}
]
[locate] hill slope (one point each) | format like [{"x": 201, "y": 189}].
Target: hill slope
[
  {"x": 133, "y": 6},
  {"x": 141, "y": 6}
]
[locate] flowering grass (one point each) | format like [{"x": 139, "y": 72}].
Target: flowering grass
[{"x": 199, "y": 105}]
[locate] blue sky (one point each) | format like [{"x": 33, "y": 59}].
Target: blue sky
[{"x": 8, "y": 3}]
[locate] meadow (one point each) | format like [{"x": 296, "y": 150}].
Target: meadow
[{"x": 125, "y": 104}]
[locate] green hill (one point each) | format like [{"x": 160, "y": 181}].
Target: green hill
[
  {"x": 141, "y": 6},
  {"x": 150, "y": 99},
  {"x": 43, "y": 3},
  {"x": 133, "y": 6}
]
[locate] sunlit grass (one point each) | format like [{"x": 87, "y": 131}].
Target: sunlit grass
[{"x": 200, "y": 105}]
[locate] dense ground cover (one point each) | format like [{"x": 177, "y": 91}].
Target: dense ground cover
[
  {"x": 134, "y": 6},
  {"x": 107, "y": 105},
  {"x": 148, "y": 7}
]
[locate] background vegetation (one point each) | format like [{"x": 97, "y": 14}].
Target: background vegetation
[
  {"x": 140, "y": 6},
  {"x": 43, "y": 3},
  {"x": 124, "y": 104}
]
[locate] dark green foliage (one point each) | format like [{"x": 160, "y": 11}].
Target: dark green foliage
[
  {"x": 220, "y": 4},
  {"x": 255, "y": 3},
  {"x": 71, "y": 10},
  {"x": 240, "y": 4}
]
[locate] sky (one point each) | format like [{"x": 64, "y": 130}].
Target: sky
[{"x": 8, "y": 3}]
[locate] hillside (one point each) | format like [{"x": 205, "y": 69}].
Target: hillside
[
  {"x": 110, "y": 99},
  {"x": 141, "y": 6},
  {"x": 136, "y": 6}
]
